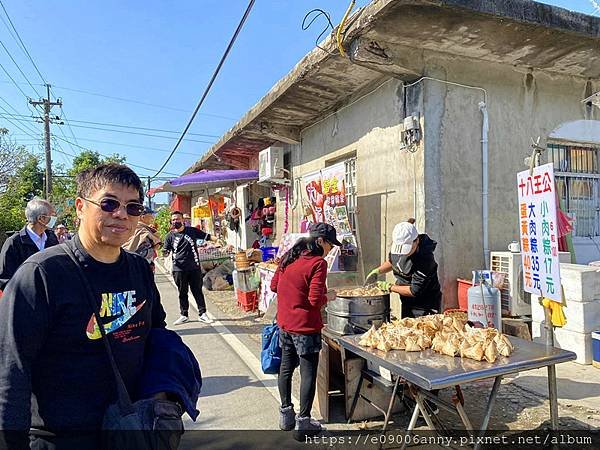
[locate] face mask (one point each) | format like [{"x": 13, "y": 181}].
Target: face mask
[
  {"x": 177, "y": 225},
  {"x": 51, "y": 222}
]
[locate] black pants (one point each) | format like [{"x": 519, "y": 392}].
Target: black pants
[
  {"x": 309, "y": 362},
  {"x": 193, "y": 280}
]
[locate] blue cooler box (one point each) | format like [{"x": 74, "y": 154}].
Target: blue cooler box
[{"x": 596, "y": 348}]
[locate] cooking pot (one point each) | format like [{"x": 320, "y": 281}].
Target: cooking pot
[{"x": 367, "y": 305}]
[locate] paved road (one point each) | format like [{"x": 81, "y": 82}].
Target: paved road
[{"x": 233, "y": 396}]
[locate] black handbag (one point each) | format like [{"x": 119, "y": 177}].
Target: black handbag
[{"x": 145, "y": 424}]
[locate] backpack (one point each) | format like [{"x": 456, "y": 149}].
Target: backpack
[{"x": 270, "y": 356}]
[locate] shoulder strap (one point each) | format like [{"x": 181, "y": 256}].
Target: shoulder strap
[{"x": 124, "y": 399}]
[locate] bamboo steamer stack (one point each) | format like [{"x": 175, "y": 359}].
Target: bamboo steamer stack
[{"x": 241, "y": 261}]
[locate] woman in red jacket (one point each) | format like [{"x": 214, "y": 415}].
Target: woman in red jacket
[{"x": 300, "y": 284}]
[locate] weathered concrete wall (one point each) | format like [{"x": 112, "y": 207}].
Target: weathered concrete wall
[
  {"x": 521, "y": 105},
  {"x": 386, "y": 183}
]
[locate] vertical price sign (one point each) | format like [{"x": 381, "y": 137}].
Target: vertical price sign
[{"x": 539, "y": 232}]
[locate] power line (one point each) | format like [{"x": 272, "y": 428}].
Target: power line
[
  {"x": 9, "y": 119},
  {"x": 143, "y": 147},
  {"x": 19, "y": 67},
  {"x": 127, "y": 100},
  {"x": 210, "y": 83},
  {"x": 139, "y": 102},
  {"x": 132, "y": 127},
  {"x": 127, "y": 132},
  {"x": 106, "y": 156},
  {"x": 14, "y": 82},
  {"x": 22, "y": 44}
]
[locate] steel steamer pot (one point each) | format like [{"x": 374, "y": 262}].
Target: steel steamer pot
[{"x": 356, "y": 314}]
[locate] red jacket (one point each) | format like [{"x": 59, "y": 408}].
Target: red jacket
[{"x": 301, "y": 292}]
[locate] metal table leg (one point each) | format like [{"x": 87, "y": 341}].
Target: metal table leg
[
  {"x": 391, "y": 405},
  {"x": 459, "y": 400},
  {"x": 411, "y": 424},
  {"x": 553, "y": 397},
  {"x": 421, "y": 404},
  {"x": 488, "y": 409},
  {"x": 355, "y": 399}
]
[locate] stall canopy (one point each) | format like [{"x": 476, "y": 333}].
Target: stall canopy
[{"x": 206, "y": 179}]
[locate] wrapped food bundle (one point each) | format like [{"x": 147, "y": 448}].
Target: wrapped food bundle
[
  {"x": 367, "y": 291},
  {"x": 446, "y": 334}
]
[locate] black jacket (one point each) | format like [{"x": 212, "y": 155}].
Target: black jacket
[
  {"x": 54, "y": 372},
  {"x": 16, "y": 250},
  {"x": 419, "y": 271}
]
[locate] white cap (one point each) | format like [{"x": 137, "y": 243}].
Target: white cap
[{"x": 403, "y": 237}]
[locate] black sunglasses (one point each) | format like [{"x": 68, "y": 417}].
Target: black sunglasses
[{"x": 111, "y": 205}]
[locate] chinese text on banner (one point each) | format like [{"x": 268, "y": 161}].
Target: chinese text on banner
[{"x": 539, "y": 232}]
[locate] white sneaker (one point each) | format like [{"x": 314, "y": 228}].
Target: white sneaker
[
  {"x": 204, "y": 318},
  {"x": 182, "y": 319}
]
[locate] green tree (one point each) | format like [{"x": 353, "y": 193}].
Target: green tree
[
  {"x": 163, "y": 222},
  {"x": 65, "y": 187},
  {"x": 26, "y": 183}
]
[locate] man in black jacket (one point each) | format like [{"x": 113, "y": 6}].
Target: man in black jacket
[
  {"x": 36, "y": 235},
  {"x": 181, "y": 243},
  {"x": 54, "y": 372},
  {"x": 412, "y": 261}
]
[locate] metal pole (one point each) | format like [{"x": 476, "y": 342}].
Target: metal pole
[
  {"x": 488, "y": 409},
  {"x": 47, "y": 142},
  {"x": 552, "y": 391}
]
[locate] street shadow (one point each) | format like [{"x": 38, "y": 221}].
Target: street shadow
[
  {"x": 203, "y": 329},
  {"x": 225, "y": 384},
  {"x": 567, "y": 389}
]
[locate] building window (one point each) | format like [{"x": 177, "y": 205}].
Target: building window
[
  {"x": 578, "y": 183},
  {"x": 351, "y": 192}
]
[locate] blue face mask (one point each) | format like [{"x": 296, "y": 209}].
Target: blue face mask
[{"x": 51, "y": 222}]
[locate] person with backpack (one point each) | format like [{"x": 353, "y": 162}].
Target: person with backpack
[{"x": 300, "y": 284}]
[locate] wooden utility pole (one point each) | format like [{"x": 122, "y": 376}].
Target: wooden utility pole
[{"x": 47, "y": 104}]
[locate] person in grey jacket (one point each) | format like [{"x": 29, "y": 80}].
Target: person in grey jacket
[{"x": 36, "y": 235}]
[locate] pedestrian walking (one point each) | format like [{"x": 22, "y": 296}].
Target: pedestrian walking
[
  {"x": 36, "y": 235},
  {"x": 300, "y": 284},
  {"x": 182, "y": 244},
  {"x": 55, "y": 377}
]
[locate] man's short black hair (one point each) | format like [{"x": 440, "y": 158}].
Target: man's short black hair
[
  {"x": 95, "y": 178},
  {"x": 177, "y": 212}
]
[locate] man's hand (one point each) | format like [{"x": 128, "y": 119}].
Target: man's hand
[
  {"x": 384, "y": 286},
  {"x": 331, "y": 295},
  {"x": 372, "y": 276}
]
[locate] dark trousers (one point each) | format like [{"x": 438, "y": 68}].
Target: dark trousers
[
  {"x": 308, "y": 378},
  {"x": 193, "y": 280}
]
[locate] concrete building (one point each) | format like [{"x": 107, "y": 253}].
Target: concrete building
[{"x": 481, "y": 78}]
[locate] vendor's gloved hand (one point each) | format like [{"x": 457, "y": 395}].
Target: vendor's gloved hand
[
  {"x": 384, "y": 286},
  {"x": 372, "y": 276}
]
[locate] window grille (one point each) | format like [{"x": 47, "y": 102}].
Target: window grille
[
  {"x": 350, "y": 181},
  {"x": 578, "y": 184}
]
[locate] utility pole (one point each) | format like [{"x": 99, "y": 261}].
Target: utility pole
[{"x": 47, "y": 104}]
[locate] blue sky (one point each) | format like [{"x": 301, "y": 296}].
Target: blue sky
[{"x": 156, "y": 52}]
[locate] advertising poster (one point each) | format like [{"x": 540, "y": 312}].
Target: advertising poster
[
  {"x": 539, "y": 232},
  {"x": 314, "y": 194},
  {"x": 334, "y": 202}
]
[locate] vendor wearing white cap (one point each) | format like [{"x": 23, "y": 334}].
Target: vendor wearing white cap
[{"x": 414, "y": 266}]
